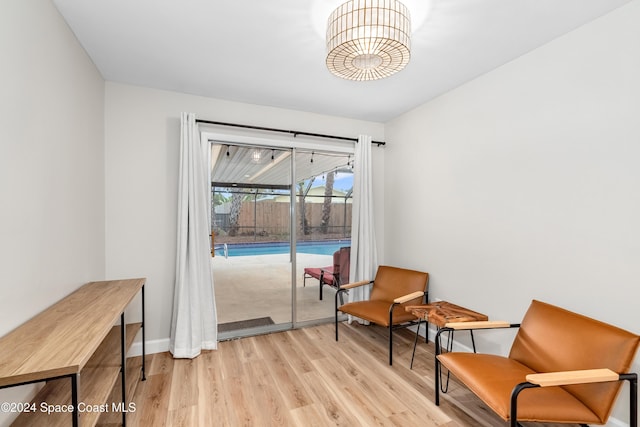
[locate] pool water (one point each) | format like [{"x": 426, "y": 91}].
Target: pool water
[{"x": 323, "y": 247}]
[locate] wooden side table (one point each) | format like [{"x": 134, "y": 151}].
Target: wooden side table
[{"x": 440, "y": 313}]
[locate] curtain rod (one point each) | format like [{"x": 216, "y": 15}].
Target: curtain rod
[{"x": 292, "y": 132}]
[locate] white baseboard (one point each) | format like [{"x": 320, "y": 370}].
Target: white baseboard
[
  {"x": 614, "y": 422},
  {"x": 151, "y": 347}
]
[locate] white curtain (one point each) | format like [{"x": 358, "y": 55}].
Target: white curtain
[
  {"x": 194, "y": 325},
  {"x": 364, "y": 261}
]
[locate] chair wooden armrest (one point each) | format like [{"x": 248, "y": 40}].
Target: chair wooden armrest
[
  {"x": 486, "y": 324},
  {"x": 356, "y": 284},
  {"x": 573, "y": 377},
  {"x": 408, "y": 297}
]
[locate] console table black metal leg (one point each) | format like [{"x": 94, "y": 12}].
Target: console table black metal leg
[
  {"x": 143, "y": 338},
  {"x": 123, "y": 367},
  {"x": 75, "y": 385}
]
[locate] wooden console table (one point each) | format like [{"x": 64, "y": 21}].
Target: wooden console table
[{"x": 74, "y": 338}]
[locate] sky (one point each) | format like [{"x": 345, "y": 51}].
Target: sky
[{"x": 343, "y": 181}]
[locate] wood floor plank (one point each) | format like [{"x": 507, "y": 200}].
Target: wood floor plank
[
  {"x": 307, "y": 345},
  {"x": 184, "y": 416},
  {"x": 359, "y": 388},
  {"x": 184, "y": 384},
  {"x": 287, "y": 380},
  {"x": 231, "y": 366},
  {"x": 368, "y": 409},
  {"x": 330, "y": 402},
  {"x": 311, "y": 415},
  {"x": 386, "y": 380},
  {"x": 295, "y": 352},
  {"x": 161, "y": 363},
  {"x": 273, "y": 410},
  {"x": 151, "y": 396},
  {"x": 212, "y": 389}
]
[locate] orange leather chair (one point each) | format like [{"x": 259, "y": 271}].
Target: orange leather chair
[
  {"x": 562, "y": 368},
  {"x": 392, "y": 289}
]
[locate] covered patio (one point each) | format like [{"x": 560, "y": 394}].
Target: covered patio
[{"x": 251, "y": 287}]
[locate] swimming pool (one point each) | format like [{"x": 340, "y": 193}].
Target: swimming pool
[{"x": 318, "y": 247}]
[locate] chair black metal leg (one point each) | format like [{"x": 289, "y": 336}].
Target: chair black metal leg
[
  {"x": 390, "y": 345},
  {"x": 425, "y": 299},
  {"x": 437, "y": 373},
  {"x": 633, "y": 393},
  {"x": 514, "y": 401},
  {"x": 415, "y": 343},
  {"x": 441, "y": 386},
  {"x": 336, "y": 305},
  {"x": 391, "y": 334},
  {"x": 444, "y": 385},
  {"x": 633, "y": 397}
]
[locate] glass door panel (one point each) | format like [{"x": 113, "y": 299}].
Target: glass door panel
[
  {"x": 324, "y": 185},
  {"x": 251, "y": 261}
]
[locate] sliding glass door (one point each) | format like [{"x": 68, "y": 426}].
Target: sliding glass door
[{"x": 278, "y": 215}]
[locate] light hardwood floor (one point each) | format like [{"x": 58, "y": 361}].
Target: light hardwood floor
[{"x": 304, "y": 378}]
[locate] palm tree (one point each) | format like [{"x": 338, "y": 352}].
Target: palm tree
[
  {"x": 217, "y": 200},
  {"x": 234, "y": 214},
  {"x": 302, "y": 194},
  {"x": 328, "y": 199}
]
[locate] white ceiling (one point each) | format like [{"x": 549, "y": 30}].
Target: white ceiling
[{"x": 271, "y": 52}]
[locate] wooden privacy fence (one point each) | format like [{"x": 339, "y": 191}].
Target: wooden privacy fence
[{"x": 272, "y": 218}]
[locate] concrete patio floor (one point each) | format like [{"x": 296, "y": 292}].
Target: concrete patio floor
[{"x": 250, "y": 287}]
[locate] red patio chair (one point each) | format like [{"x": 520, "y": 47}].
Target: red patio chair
[
  {"x": 324, "y": 276},
  {"x": 334, "y": 275}
]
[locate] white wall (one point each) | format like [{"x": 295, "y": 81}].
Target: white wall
[
  {"x": 51, "y": 165},
  {"x": 142, "y": 143},
  {"x": 525, "y": 183}
]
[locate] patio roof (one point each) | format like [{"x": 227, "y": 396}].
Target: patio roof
[{"x": 234, "y": 165}]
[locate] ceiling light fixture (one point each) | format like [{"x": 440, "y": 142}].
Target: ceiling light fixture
[
  {"x": 368, "y": 39},
  {"x": 256, "y": 156}
]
